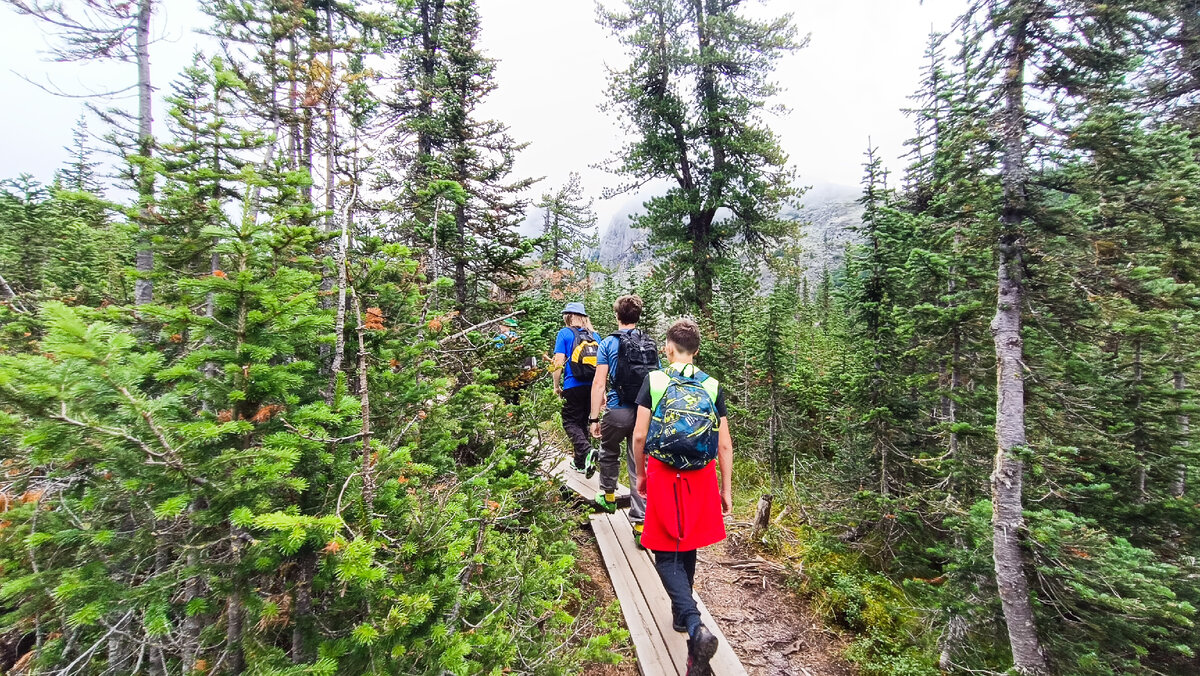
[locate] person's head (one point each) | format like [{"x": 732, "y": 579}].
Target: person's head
[
  {"x": 683, "y": 340},
  {"x": 576, "y": 317},
  {"x": 628, "y": 309}
]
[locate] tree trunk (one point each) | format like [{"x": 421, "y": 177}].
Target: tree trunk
[
  {"x": 460, "y": 257},
  {"x": 235, "y": 612},
  {"x": 1007, "y": 518},
  {"x": 302, "y": 609},
  {"x": 143, "y": 290},
  {"x": 339, "y": 325},
  {"x": 1184, "y": 421},
  {"x": 368, "y": 459},
  {"x": 193, "y": 587}
]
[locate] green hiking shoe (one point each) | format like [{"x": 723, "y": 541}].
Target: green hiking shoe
[
  {"x": 589, "y": 465},
  {"x": 602, "y": 500},
  {"x": 637, "y": 539}
]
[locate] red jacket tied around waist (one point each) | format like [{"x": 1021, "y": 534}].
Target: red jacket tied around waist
[{"x": 683, "y": 507}]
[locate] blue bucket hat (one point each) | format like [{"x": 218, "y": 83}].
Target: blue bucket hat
[{"x": 575, "y": 308}]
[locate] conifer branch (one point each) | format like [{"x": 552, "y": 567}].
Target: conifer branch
[
  {"x": 321, "y": 440},
  {"x": 63, "y": 417}
]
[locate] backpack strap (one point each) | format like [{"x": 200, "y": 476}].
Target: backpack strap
[
  {"x": 711, "y": 386},
  {"x": 659, "y": 380}
]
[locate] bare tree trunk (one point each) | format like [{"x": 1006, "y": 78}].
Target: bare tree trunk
[
  {"x": 460, "y": 258},
  {"x": 118, "y": 648},
  {"x": 1007, "y": 475},
  {"x": 339, "y": 324},
  {"x": 293, "y": 144},
  {"x": 235, "y": 612},
  {"x": 330, "y": 124},
  {"x": 1181, "y": 470},
  {"x": 302, "y": 609},
  {"x": 143, "y": 292},
  {"x": 368, "y": 459},
  {"x": 192, "y": 589}
]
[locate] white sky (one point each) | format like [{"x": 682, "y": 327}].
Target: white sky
[{"x": 864, "y": 59}]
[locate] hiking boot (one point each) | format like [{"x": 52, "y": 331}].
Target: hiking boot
[
  {"x": 589, "y": 464},
  {"x": 577, "y": 468},
  {"x": 637, "y": 540},
  {"x": 701, "y": 649},
  {"x": 602, "y": 500},
  {"x": 678, "y": 624}
]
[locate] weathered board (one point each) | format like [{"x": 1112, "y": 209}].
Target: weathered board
[
  {"x": 647, "y": 608},
  {"x": 579, "y": 483}
]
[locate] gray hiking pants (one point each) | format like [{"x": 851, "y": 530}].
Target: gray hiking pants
[{"x": 617, "y": 426}]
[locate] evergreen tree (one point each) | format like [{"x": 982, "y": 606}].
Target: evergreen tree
[
  {"x": 691, "y": 98},
  {"x": 465, "y": 209},
  {"x": 120, "y": 31},
  {"x": 80, "y": 173},
  {"x": 568, "y": 228}
]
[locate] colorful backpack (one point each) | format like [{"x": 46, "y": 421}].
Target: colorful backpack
[
  {"x": 684, "y": 421},
  {"x": 637, "y": 356},
  {"x": 583, "y": 355}
]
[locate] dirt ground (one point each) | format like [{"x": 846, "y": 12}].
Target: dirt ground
[{"x": 768, "y": 626}]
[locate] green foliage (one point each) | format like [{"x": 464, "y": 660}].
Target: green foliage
[{"x": 889, "y": 635}]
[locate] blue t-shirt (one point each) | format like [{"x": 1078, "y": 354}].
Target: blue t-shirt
[
  {"x": 610, "y": 348},
  {"x": 564, "y": 344}
]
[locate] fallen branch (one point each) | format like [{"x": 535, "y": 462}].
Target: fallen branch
[{"x": 480, "y": 325}]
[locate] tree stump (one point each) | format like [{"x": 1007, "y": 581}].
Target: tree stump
[{"x": 762, "y": 516}]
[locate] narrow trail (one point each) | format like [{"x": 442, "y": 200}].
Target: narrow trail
[{"x": 770, "y": 630}]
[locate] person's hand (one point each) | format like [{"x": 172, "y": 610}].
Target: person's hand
[
  {"x": 641, "y": 485},
  {"x": 726, "y": 502},
  {"x": 558, "y": 392},
  {"x": 596, "y": 430}
]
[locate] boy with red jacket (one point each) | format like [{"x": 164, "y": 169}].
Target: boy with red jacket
[{"x": 685, "y": 504}]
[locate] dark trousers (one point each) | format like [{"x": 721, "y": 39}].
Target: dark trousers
[
  {"x": 678, "y": 572},
  {"x": 616, "y": 427},
  {"x": 577, "y": 405}
]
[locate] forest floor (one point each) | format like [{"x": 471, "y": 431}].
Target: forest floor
[{"x": 769, "y": 627}]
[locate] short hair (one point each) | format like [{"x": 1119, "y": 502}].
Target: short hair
[
  {"x": 685, "y": 334},
  {"x": 628, "y": 309}
]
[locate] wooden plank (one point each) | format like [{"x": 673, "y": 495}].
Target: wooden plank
[
  {"x": 587, "y": 488},
  {"x": 641, "y": 563},
  {"x": 653, "y": 657},
  {"x": 725, "y": 662}
]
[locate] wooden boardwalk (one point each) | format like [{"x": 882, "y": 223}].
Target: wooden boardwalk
[
  {"x": 585, "y": 487},
  {"x": 661, "y": 651}
]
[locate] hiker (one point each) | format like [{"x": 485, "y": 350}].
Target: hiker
[
  {"x": 624, "y": 360},
  {"x": 508, "y": 333},
  {"x": 575, "y": 349},
  {"x": 681, "y": 427}
]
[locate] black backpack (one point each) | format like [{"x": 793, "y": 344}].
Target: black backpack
[{"x": 637, "y": 355}]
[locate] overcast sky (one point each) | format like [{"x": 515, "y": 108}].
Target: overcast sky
[{"x": 849, "y": 84}]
